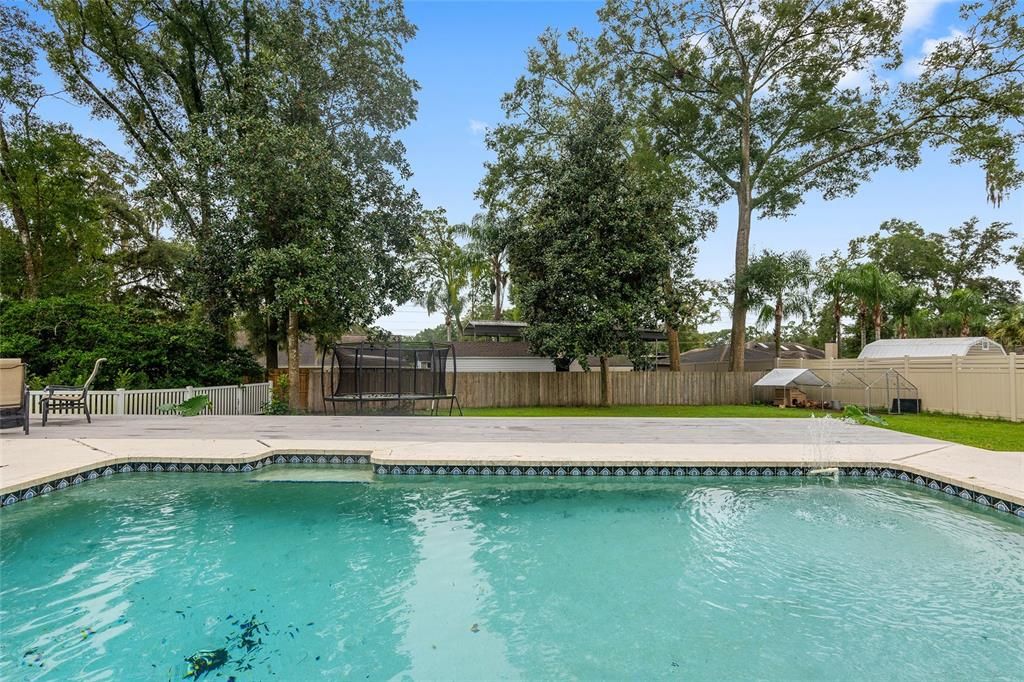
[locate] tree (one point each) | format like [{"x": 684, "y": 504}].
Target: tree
[
  {"x": 442, "y": 270},
  {"x": 872, "y": 289},
  {"x": 751, "y": 97},
  {"x": 833, "y": 279},
  {"x": 586, "y": 259},
  {"x": 968, "y": 252},
  {"x": 1009, "y": 328},
  {"x": 488, "y": 249},
  {"x": 70, "y": 223},
  {"x": 904, "y": 303},
  {"x": 320, "y": 227},
  {"x": 211, "y": 95},
  {"x": 559, "y": 88},
  {"x": 903, "y": 248},
  {"x": 779, "y": 282},
  {"x": 963, "y": 310}
]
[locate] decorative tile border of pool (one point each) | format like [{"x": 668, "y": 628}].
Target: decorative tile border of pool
[{"x": 548, "y": 470}]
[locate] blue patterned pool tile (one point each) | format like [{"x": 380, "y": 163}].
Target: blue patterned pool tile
[
  {"x": 10, "y": 499},
  {"x": 560, "y": 471},
  {"x": 456, "y": 471},
  {"x": 590, "y": 471},
  {"x": 693, "y": 471},
  {"x": 47, "y": 488},
  {"x": 62, "y": 483},
  {"x": 515, "y": 471},
  {"x": 545, "y": 472}
]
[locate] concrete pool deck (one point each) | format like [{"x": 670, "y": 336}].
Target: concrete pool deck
[{"x": 68, "y": 445}]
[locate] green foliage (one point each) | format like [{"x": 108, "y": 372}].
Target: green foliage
[
  {"x": 590, "y": 257},
  {"x": 854, "y": 413},
  {"x": 438, "y": 334},
  {"x": 278, "y": 403},
  {"x": 191, "y": 407},
  {"x": 778, "y": 284},
  {"x": 60, "y": 339},
  {"x": 443, "y": 269},
  {"x": 489, "y": 239},
  {"x": 1009, "y": 329}
]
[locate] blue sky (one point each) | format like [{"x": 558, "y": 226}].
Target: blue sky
[{"x": 467, "y": 54}]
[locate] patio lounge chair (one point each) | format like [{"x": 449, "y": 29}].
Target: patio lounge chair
[
  {"x": 13, "y": 394},
  {"x": 70, "y": 396}
]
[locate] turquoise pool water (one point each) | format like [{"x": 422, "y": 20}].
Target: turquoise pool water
[{"x": 129, "y": 578}]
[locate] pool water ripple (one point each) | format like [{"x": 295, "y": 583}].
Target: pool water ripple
[{"x": 476, "y": 579}]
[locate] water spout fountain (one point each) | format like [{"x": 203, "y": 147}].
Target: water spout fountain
[{"x": 823, "y": 431}]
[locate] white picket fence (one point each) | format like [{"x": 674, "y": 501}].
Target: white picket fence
[{"x": 224, "y": 400}]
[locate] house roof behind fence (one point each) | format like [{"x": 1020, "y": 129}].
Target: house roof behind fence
[{"x": 929, "y": 348}]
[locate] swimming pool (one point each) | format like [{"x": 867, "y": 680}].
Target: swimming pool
[{"x": 154, "y": 576}]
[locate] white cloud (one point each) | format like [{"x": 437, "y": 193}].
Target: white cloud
[
  {"x": 477, "y": 127},
  {"x": 915, "y": 67},
  {"x": 919, "y": 13}
]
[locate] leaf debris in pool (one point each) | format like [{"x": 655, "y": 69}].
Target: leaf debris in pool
[{"x": 203, "y": 662}]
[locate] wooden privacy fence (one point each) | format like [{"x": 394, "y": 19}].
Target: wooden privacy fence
[
  {"x": 974, "y": 386},
  {"x": 243, "y": 399},
  {"x": 529, "y": 389}
]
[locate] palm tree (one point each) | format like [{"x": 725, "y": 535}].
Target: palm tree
[
  {"x": 489, "y": 239},
  {"x": 903, "y": 305},
  {"x": 779, "y": 282},
  {"x": 833, "y": 281},
  {"x": 872, "y": 288},
  {"x": 442, "y": 271},
  {"x": 1009, "y": 328},
  {"x": 964, "y": 309}
]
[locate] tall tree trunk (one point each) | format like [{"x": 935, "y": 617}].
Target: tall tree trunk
[
  {"x": 448, "y": 327},
  {"x": 675, "y": 361},
  {"x": 739, "y": 298},
  {"x": 273, "y": 336},
  {"x": 837, "y": 316},
  {"x": 293, "y": 360},
  {"x": 498, "y": 293},
  {"x": 876, "y": 318},
  {"x": 606, "y": 383},
  {"x": 778, "y": 327},
  {"x": 20, "y": 219},
  {"x": 862, "y": 316},
  {"x": 737, "y": 350}
]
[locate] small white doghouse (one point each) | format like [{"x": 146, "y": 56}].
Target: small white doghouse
[{"x": 792, "y": 386}]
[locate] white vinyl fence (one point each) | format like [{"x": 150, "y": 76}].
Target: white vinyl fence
[{"x": 225, "y": 400}]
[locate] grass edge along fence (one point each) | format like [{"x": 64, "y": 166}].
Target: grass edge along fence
[
  {"x": 990, "y": 386},
  {"x": 243, "y": 399},
  {"x": 564, "y": 389}
]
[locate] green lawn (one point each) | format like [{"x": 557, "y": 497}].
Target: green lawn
[{"x": 990, "y": 434}]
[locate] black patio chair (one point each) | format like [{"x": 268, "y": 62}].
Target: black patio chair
[{"x": 71, "y": 397}]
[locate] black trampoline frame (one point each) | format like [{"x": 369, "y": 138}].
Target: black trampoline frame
[{"x": 435, "y": 355}]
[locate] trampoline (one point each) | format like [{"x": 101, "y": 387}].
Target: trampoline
[{"x": 398, "y": 375}]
